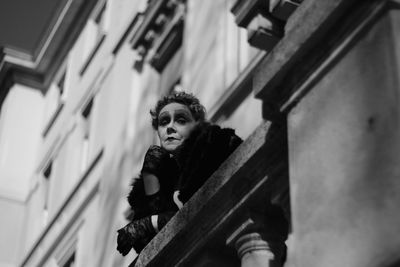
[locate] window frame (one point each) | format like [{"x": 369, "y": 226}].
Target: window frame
[
  {"x": 100, "y": 20},
  {"x": 86, "y": 116},
  {"x": 61, "y": 84}
]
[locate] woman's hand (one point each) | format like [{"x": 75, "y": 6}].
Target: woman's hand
[
  {"x": 154, "y": 160},
  {"x": 138, "y": 234},
  {"x": 135, "y": 235}
]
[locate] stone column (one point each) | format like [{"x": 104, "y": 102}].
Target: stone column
[{"x": 260, "y": 241}]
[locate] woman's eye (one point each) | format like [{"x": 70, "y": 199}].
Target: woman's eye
[
  {"x": 163, "y": 121},
  {"x": 181, "y": 121}
]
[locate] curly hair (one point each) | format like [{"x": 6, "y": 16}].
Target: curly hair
[{"x": 198, "y": 111}]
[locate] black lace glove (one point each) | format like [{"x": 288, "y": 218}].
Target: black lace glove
[
  {"x": 138, "y": 234},
  {"x": 135, "y": 235},
  {"x": 154, "y": 160}
]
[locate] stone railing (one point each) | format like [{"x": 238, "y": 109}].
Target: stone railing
[{"x": 231, "y": 214}]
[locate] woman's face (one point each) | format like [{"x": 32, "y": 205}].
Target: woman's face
[{"x": 175, "y": 123}]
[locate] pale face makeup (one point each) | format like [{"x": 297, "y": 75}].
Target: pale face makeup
[{"x": 175, "y": 123}]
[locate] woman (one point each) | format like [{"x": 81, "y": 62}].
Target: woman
[{"x": 190, "y": 150}]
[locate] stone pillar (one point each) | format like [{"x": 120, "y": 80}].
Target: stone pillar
[{"x": 260, "y": 241}]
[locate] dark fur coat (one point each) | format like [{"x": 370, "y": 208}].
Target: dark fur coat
[{"x": 193, "y": 163}]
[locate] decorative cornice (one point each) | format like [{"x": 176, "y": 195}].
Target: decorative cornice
[
  {"x": 264, "y": 20},
  {"x": 38, "y": 69},
  {"x": 160, "y": 33},
  {"x": 264, "y": 31},
  {"x": 244, "y": 10},
  {"x": 168, "y": 42},
  {"x": 282, "y": 9},
  {"x": 152, "y": 10}
]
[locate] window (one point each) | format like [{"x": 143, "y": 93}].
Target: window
[
  {"x": 61, "y": 87},
  {"x": 96, "y": 29},
  {"x": 99, "y": 20},
  {"x": 86, "y": 124},
  {"x": 66, "y": 252},
  {"x": 47, "y": 172},
  {"x": 55, "y": 98},
  {"x": 95, "y": 33},
  {"x": 70, "y": 261},
  {"x": 170, "y": 77}
]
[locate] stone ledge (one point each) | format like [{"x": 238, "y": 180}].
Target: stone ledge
[
  {"x": 246, "y": 178},
  {"x": 308, "y": 41}
]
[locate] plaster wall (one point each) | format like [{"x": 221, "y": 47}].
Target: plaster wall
[
  {"x": 19, "y": 141},
  {"x": 20, "y": 137},
  {"x": 11, "y": 231}
]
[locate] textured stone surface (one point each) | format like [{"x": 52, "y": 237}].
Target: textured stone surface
[{"x": 344, "y": 142}]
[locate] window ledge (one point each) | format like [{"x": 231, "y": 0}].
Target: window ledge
[
  {"x": 91, "y": 55},
  {"x": 52, "y": 119},
  {"x": 246, "y": 177}
]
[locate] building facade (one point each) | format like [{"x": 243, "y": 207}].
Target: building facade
[{"x": 311, "y": 86}]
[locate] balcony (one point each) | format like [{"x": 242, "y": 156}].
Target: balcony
[
  {"x": 239, "y": 190},
  {"x": 313, "y": 149}
]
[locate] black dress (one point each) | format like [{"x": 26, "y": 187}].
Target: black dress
[{"x": 186, "y": 171}]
